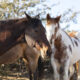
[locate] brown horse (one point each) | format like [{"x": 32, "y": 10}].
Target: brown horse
[
  {"x": 12, "y": 41},
  {"x": 12, "y": 31},
  {"x": 29, "y": 55}
]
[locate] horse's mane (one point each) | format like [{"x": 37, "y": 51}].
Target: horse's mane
[
  {"x": 10, "y": 22},
  {"x": 35, "y": 22}
]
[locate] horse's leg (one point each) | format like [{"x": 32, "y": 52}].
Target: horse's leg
[
  {"x": 54, "y": 66},
  {"x": 30, "y": 72},
  {"x": 25, "y": 59},
  {"x": 65, "y": 68},
  {"x": 35, "y": 75},
  {"x": 40, "y": 67},
  {"x": 74, "y": 75},
  {"x": 33, "y": 71},
  {"x": 30, "y": 75}
]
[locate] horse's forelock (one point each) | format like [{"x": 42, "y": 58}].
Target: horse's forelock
[{"x": 34, "y": 22}]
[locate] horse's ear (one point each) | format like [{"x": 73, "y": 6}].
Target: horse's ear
[
  {"x": 58, "y": 18},
  {"x": 37, "y": 16},
  {"x": 48, "y": 17},
  {"x": 27, "y": 16}
]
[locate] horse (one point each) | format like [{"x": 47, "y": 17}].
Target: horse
[
  {"x": 13, "y": 35},
  {"x": 74, "y": 34},
  {"x": 11, "y": 31},
  {"x": 28, "y": 54},
  {"x": 65, "y": 49},
  {"x": 75, "y": 68}
]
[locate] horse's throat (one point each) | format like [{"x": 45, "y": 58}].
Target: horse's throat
[{"x": 58, "y": 43}]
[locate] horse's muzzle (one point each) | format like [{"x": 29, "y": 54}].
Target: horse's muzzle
[{"x": 49, "y": 52}]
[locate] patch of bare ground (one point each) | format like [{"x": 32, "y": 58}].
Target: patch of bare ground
[{"x": 19, "y": 71}]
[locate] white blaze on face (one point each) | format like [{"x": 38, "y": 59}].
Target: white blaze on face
[
  {"x": 44, "y": 51},
  {"x": 50, "y": 30}
]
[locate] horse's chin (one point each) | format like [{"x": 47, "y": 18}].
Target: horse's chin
[{"x": 44, "y": 57}]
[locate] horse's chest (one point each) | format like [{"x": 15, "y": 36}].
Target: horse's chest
[
  {"x": 60, "y": 56},
  {"x": 60, "y": 50}
]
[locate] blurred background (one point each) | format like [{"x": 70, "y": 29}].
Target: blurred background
[{"x": 68, "y": 9}]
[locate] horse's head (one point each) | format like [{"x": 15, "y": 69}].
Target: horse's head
[
  {"x": 35, "y": 36},
  {"x": 52, "y": 27}
]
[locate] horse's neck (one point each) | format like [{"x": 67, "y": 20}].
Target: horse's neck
[
  {"x": 10, "y": 25},
  {"x": 61, "y": 39},
  {"x": 9, "y": 36}
]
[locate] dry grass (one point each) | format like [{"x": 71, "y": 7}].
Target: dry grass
[{"x": 19, "y": 71}]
